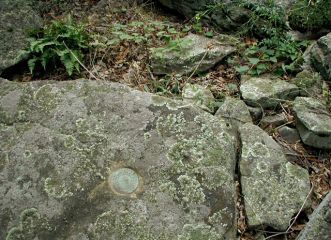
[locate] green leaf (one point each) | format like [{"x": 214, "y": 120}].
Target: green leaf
[
  {"x": 242, "y": 69},
  {"x": 254, "y": 61},
  {"x": 209, "y": 34},
  {"x": 32, "y": 64}
]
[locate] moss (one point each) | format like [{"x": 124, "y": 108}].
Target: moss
[
  {"x": 3, "y": 160},
  {"x": 305, "y": 16}
]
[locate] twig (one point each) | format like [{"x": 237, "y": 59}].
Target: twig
[
  {"x": 295, "y": 218},
  {"x": 80, "y": 63},
  {"x": 198, "y": 65}
]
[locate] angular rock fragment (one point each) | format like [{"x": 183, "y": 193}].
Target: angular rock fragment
[
  {"x": 273, "y": 121},
  {"x": 192, "y": 54},
  {"x": 273, "y": 188},
  {"x": 320, "y": 56},
  {"x": 267, "y": 93},
  {"x": 319, "y": 225},
  {"x": 235, "y": 110},
  {"x": 290, "y": 135},
  {"x": 96, "y": 160},
  {"x": 198, "y": 95},
  {"x": 17, "y": 17},
  {"x": 313, "y": 122}
]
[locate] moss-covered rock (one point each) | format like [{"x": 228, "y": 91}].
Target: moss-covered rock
[{"x": 97, "y": 160}]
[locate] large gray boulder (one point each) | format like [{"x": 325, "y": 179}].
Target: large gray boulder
[
  {"x": 319, "y": 225},
  {"x": 17, "y": 17},
  {"x": 273, "y": 188},
  {"x": 320, "y": 56},
  {"x": 193, "y": 54},
  {"x": 313, "y": 122},
  {"x": 96, "y": 160},
  {"x": 266, "y": 92}
]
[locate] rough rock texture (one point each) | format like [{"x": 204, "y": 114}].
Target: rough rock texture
[
  {"x": 16, "y": 18},
  {"x": 267, "y": 93},
  {"x": 235, "y": 110},
  {"x": 198, "y": 95},
  {"x": 96, "y": 160},
  {"x": 320, "y": 55},
  {"x": 313, "y": 122},
  {"x": 319, "y": 225},
  {"x": 290, "y": 135},
  {"x": 197, "y": 55},
  {"x": 228, "y": 15},
  {"x": 273, "y": 121},
  {"x": 273, "y": 188}
]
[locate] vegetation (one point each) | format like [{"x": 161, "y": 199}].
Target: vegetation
[
  {"x": 61, "y": 42},
  {"x": 311, "y": 15}
]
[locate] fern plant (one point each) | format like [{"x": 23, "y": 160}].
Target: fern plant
[{"x": 61, "y": 42}]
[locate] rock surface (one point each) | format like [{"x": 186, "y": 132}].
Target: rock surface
[
  {"x": 319, "y": 225},
  {"x": 96, "y": 160},
  {"x": 235, "y": 110},
  {"x": 273, "y": 121},
  {"x": 313, "y": 122},
  {"x": 267, "y": 93},
  {"x": 199, "y": 96},
  {"x": 16, "y": 18},
  {"x": 290, "y": 135},
  {"x": 197, "y": 55},
  {"x": 320, "y": 55},
  {"x": 273, "y": 188}
]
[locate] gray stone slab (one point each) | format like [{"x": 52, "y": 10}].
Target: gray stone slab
[
  {"x": 96, "y": 160},
  {"x": 273, "y": 188}
]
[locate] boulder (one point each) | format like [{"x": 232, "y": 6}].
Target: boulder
[
  {"x": 17, "y": 17},
  {"x": 199, "y": 96},
  {"x": 191, "y": 54},
  {"x": 320, "y": 56},
  {"x": 319, "y": 225},
  {"x": 267, "y": 93},
  {"x": 309, "y": 82},
  {"x": 273, "y": 188},
  {"x": 97, "y": 160},
  {"x": 235, "y": 110},
  {"x": 313, "y": 122}
]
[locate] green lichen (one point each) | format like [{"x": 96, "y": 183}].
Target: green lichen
[
  {"x": 199, "y": 232},
  {"x": 30, "y": 226},
  {"x": 57, "y": 189},
  {"x": 124, "y": 225},
  {"x": 3, "y": 160},
  {"x": 47, "y": 97}
]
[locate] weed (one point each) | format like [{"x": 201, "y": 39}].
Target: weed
[
  {"x": 275, "y": 54},
  {"x": 61, "y": 42}
]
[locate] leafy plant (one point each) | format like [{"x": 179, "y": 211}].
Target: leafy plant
[
  {"x": 276, "y": 54},
  {"x": 61, "y": 42},
  {"x": 175, "y": 47}
]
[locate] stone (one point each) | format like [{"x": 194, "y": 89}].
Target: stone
[
  {"x": 267, "y": 93},
  {"x": 199, "y": 96},
  {"x": 319, "y": 225},
  {"x": 310, "y": 83},
  {"x": 17, "y": 17},
  {"x": 313, "y": 122},
  {"x": 193, "y": 54},
  {"x": 256, "y": 113},
  {"x": 290, "y": 135},
  {"x": 273, "y": 121},
  {"x": 235, "y": 110},
  {"x": 97, "y": 160},
  {"x": 320, "y": 56},
  {"x": 273, "y": 188}
]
